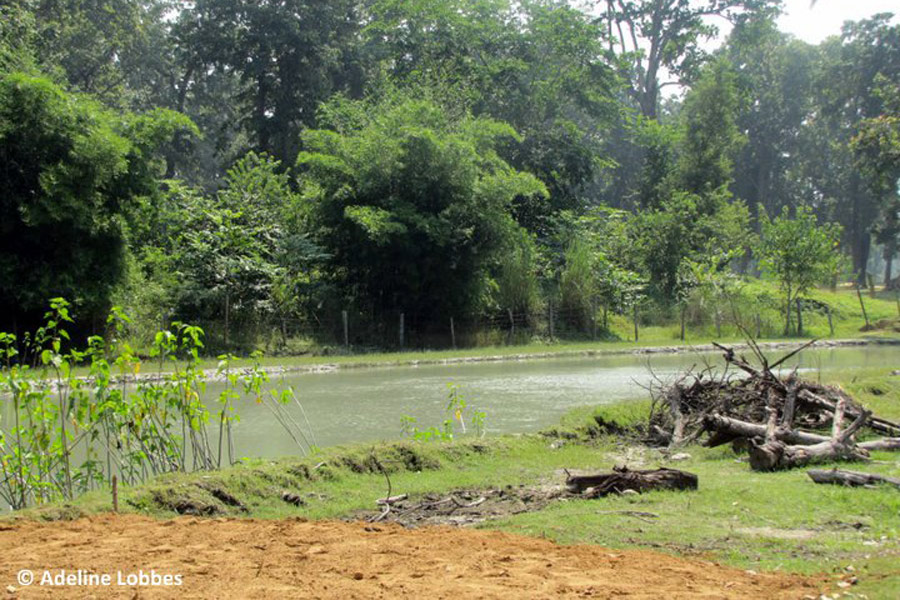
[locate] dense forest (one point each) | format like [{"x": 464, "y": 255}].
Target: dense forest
[{"x": 276, "y": 169}]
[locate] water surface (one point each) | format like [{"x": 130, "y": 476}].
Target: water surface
[{"x": 359, "y": 405}]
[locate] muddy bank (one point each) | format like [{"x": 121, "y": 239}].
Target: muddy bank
[{"x": 219, "y": 558}]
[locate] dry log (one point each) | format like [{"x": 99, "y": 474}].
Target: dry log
[
  {"x": 851, "y": 478},
  {"x": 882, "y": 444},
  {"x": 621, "y": 479},
  {"x": 874, "y": 423},
  {"x": 775, "y": 455},
  {"x": 736, "y": 428}
]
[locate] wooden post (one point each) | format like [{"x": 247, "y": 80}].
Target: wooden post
[
  {"x": 799, "y": 318},
  {"x": 636, "y": 322},
  {"x": 452, "y": 334},
  {"x": 115, "y": 493},
  {"x": 346, "y": 328},
  {"x": 862, "y": 305},
  {"x": 683, "y": 314},
  {"x": 401, "y": 329},
  {"x": 830, "y": 322},
  {"x": 512, "y": 326},
  {"x": 758, "y": 327}
]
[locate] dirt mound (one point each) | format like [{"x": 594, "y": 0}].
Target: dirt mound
[{"x": 218, "y": 558}]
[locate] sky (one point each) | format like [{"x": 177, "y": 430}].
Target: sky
[{"x": 814, "y": 23}]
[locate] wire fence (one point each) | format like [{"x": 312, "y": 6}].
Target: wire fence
[{"x": 399, "y": 330}]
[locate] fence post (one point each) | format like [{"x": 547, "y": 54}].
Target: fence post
[
  {"x": 758, "y": 326},
  {"x": 683, "y": 311},
  {"x": 452, "y": 334},
  {"x": 346, "y": 328},
  {"x": 830, "y": 322},
  {"x": 512, "y": 326},
  {"x": 401, "y": 329},
  {"x": 862, "y": 305}
]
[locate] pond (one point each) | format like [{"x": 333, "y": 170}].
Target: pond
[{"x": 361, "y": 405}]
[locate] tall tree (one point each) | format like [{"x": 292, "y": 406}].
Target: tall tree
[
  {"x": 657, "y": 36},
  {"x": 877, "y": 149},
  {"x": 289, "y": 55},
  {"x": 848, "y": 70},
  {"x": 774, "y": 80},
  {"x": 540, "y": 66}
]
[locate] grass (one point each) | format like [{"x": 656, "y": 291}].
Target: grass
[{"x": 760, "y": 521}]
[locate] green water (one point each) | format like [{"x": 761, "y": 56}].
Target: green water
[{"x": 367, "y": 404}]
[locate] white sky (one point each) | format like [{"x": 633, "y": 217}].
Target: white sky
[{"x": 814, "y": 23}]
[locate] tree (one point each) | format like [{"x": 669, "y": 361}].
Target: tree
[
  {"x": 71, "y": 172},
  {"x": 774, "y": 77},
  {"x": 411, "y": 203},
  {"x": 848, "y": 70},
  {"x": 711, "y": 137},
  {"x": 877, "y": 149},
  {"x": 798, "y": 252},
  {"x": 289, "y": 56},
  {"x": 663, "y": 35},
  {"x": 225, "y": 247},
  {"x": 539, "y": 65}
]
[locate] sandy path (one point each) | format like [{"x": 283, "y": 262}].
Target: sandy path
[{"x": 220, "y": 558}]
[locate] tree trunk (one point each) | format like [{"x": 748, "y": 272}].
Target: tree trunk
[
  {"x": 851, "y": 478},
  {"x": 890, "y": 249}
]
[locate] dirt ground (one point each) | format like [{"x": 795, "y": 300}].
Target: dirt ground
[{"x": 224, "y": 558}]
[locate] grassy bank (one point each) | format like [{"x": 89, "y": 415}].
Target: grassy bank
[
  {"x": 746, "y": 519},
  {"x": 756, "y": 297}
]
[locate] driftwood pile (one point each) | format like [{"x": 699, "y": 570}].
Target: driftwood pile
[{"x": 783, "y": 422}]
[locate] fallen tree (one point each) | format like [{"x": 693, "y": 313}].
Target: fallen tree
[
  {"x": 765, "y": 413},
  {"x": 851, "y": 478}
]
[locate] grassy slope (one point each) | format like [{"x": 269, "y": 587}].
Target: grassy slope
[{"x": 751, "y": 520}]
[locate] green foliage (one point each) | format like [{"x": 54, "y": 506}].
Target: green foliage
[
  {"x": 226, "y": 249},
  {"x": 798, "y": 252},
  {"x": 711, "y": 137},
  {"x": 71, "y": 174},
  {"x": 518, "y": 288},
  {"x": 540, "y": 66},
  {"x": 411, "y": 204},
  {"x": 69, "y": 435}
]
